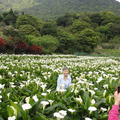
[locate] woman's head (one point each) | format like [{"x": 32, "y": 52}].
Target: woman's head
[{"x": 65, "y": 71}]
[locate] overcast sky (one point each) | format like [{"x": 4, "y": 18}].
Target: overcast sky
[{"x": 118, "y": 0}]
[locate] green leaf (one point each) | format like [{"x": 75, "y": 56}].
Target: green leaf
[
  {"x": 105, "y": 117},
  {"x": 4, "y": 114},
  {"x": 23, "y": 113},
  {"x": 103, "y": 100},
  {"x": 36, "y": 118},
  {"x": 49, "y": 109},
  {"x": 67, "y": 100},
  {"x": 36, "y": 106},
  {"x": 63, "y": 106},
  {"x": 14, "y": 105},
  {"x": 1, "y": 118},
  {"x": 10, "y": 111},
  {"x": 41, "y": 117},
  {"x": 87, "y": 103},
  {"x": 85, "y": 95}
]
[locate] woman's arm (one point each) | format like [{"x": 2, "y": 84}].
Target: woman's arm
[
  {"x": 58, "y": 83},
  {"x": 69, "y": 81},
  {"x": 113, "y": 114}
]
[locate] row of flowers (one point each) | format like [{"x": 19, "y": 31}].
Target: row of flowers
[
  {"x": 28, "y": 87},
  {"x": 19, "y": 46}
]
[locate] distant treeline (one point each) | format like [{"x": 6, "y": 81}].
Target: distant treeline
[
  {"x": 67, "y": 34},
  {"x": 52, "y": 9}
]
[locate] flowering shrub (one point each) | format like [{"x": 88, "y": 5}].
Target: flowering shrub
[
  {"x": 33, "y": 49},
  {"x": 2, "y": 43},
  {"x": 36, "y": 49},
  {"x": 11, "y": 43},
  {"x": 22, "y": 45}
]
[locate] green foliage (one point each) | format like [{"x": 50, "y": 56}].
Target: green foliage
[
  {"x": 9, "y": 32},
  {"x": 115, "y": 40},
  {"x": 106, "y": 31},
  {"x": 68, "y": 30},
  {"x": 67, "y": 42},
  {"x": 29, "y": 30},
  {"x": 28, "y": 19},
  {"x": 13, "y": 33},
  {"x": 48, "y": 29},
  {"x": 102, "y": 37},
  {"x": 1, "y": 18},
  {"x": 109, "y": 24},
  {"x": 115, "y": 29},
  {"x": 107, "y": 17},
  {"x": 65, "y": 20},
  {"x": 29, "y": 39},
  {"x": 5, "y": 14},
  {"x": 96, "y": 18},
  {"x": 51, "y": 9},
  {"x": 108, "y": 46},
  {"x": 79, "y": 26},
  {"x": 47, "y": 42},
  {"x": 9, "y": 18},
  {"x": 87, "y": 40},
  {"x": 84, "y": 17}
]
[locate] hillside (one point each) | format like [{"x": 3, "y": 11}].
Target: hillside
[{"x": 51, "y": 9}]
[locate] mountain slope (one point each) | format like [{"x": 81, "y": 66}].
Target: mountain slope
[{"x": 51, "y": 9}]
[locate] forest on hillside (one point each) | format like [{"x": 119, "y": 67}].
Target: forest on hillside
[
  {"x": 52, "y": 9},
  {"x": 67, "y": 34}
]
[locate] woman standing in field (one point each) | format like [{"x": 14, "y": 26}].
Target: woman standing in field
[
  {"x": 64, "y": 80},
  {"x": 113, "y": 114}
]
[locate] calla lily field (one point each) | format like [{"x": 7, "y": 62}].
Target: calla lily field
[{"x": 28, "y": 87}]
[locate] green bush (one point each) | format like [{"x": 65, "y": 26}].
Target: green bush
[
  {"x": 115, "y": 40},
  {"x": 79, "y": 26},
  {"x": 48, "y": 29},
  {"x": 108, "y": 46},
  {"x": 28, "y": 19},
  {"x": 29, "y": 39},
  {"x": 29, "y": 30},
  {"x": 87, "y": 40},
  {"x": 67, "y": 42},
  {"x": 48, "y": 43}
]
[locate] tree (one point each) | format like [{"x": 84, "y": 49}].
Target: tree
[
  {"x": 87, "y": 40},
  {"x": 29, "y": 20},
  {"x": 29, "y": 39},
  {"x": 107, "y": 17},
  {"x": 15, "y": 37},
  {"x": 5, "y": 14},
  {"x": 47, "y": 42},
  {"x": 105, "y": 30},
  {"x": 1, "y": 18},
  {"x": 65, "y": 20},
  {"x": 115, "y": 29},
  {"x": 66, "y": 42},
  {"x": 4, "y": 17},
  {"x": 23, "y": 13},
  {"x": 96, "y": 18},
  {"x": 10, "y": 32},
  {"x": 84, "y": 17},
  {"x": 79, "y": 26},
  {"x": 9, "y": 17},
  {"x": 48, "y": 29},
  {"x": 29, "y": 30}
]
